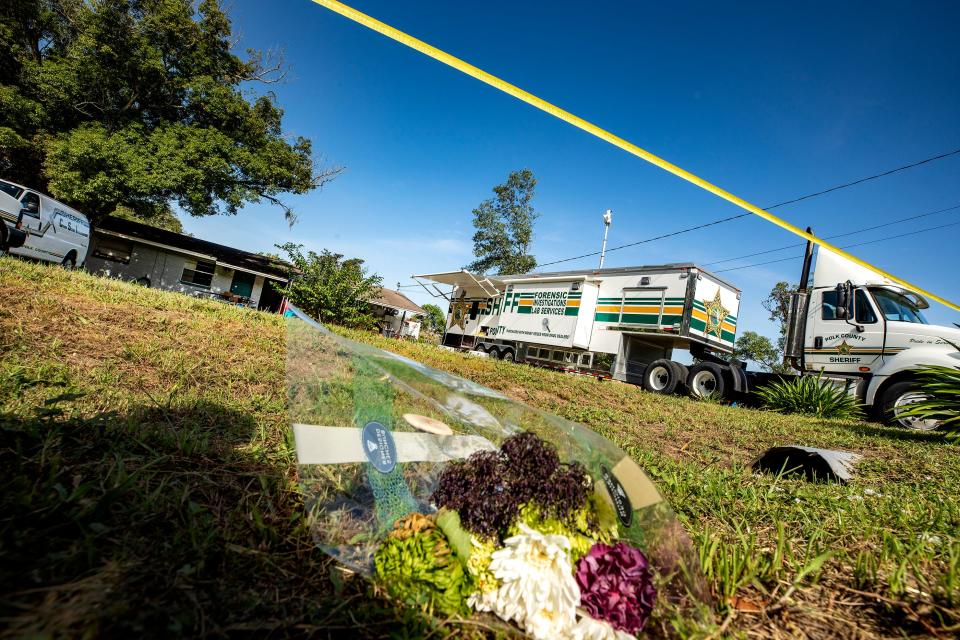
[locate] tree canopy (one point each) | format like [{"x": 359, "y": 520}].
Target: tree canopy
[
  {"x": 778, "y": 305},
  {"x": 504, "y": 227},
  {"x": 436, "y": 319},
  {"x": 331, "y": 288},
  {"x": 756, "y": 348},
  {"x": 142, "y": 104}
]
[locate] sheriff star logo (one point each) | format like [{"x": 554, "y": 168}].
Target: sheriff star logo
[
  {"x": 716, "y": 313},
  {"x": 844, "y": 349},
  {"x": 458, "y": 315}
]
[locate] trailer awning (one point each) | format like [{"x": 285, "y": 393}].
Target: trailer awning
[{"x": 490, "y": 285}]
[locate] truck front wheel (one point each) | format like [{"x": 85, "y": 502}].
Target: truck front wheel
[
  {"x": 707, "y": 380},
  {"x": 896, "y": 399}
]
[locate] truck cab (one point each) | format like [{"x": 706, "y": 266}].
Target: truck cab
[
  {"x": 857, "y": 325},
  {"x": 37, "y": 226}
]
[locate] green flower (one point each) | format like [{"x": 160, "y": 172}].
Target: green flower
[
  {"x": 415, "y": 564},
  {"x": 579, "y": 527}
]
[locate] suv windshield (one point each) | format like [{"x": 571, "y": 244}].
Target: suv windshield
[
  {"x": 895, "y": 306},
  {"x": 11, "y": 189}
]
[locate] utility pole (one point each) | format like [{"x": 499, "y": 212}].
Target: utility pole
[{"x": 607, "y": 219}]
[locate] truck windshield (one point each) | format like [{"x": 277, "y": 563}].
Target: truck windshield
[
  {"x": 895, "y": 306},
  {"x": 11, "y": 189}
]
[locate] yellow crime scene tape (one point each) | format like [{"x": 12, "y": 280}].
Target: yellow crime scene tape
[{"x": 589, "y": 127}]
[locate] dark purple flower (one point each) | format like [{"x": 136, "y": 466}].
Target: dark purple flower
[
  {"x": 488, "y": 488},
  {"x": 616, "y": 585}
]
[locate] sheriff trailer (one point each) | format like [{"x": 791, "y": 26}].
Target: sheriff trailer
[
  {"x": 625, "y": 322},
  {"x": 850, "y": 325}
]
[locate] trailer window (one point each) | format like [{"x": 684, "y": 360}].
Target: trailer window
[
  {"x": 198, "y": 274},
  {"x": 473, "y": 309},
  {"x": 10, "y": 189},
  {"x": 113, "y": 249},
  {"x": 897, "y": 307}
]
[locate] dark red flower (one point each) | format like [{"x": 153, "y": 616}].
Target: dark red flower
[{"x": 616, "y": 585}]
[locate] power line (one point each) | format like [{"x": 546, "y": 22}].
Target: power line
[
  {"x": 838, "y": 235},
  {"x": 791, "y": 246},
  {"x": 774, "y": 206},
  {"x": 847, "y": 246},
  {"x": 873, "y": 177}
]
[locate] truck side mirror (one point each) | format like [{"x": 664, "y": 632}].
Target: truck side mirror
[{"x": 843, "y": 300}]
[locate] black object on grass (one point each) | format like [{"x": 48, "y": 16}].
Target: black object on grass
[{"x": 815, "y": 464}]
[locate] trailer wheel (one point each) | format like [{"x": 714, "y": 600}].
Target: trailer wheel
[
  {"x": 896, "y": 399},
  {"x": 508, "y": 355},
  {"x": 660, "y": 376},
  {"x": 682, "y": 374},
  {"x": 480, "y": 348},
  {"x": 707, "y": 380},
  {"x": 494, "y": 353}
]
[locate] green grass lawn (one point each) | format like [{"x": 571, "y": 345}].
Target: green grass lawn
[{"x": 149, "y": 485}]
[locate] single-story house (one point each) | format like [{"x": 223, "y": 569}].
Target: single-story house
[
  {"x": 397, "y": 314},
  {"x": 164, "y": 259}
]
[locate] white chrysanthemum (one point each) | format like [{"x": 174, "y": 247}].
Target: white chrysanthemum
[
  {"x": 588, "y": 628},
  {"x": 537, "y": 588}
]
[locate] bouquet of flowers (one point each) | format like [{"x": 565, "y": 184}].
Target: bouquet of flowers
[{"x": 459, "y": 500}]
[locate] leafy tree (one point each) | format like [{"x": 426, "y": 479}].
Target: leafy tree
[
  {"x": 162, "y": 219},
  {"x": 504, "y": 227},
  {"x": 757, "y": 348},
  {"x": 141, "y": 104},
  {"x": 777, "y": 305},
  {"x": 330, "y": 288},
  {"x": 436, "y": 320}
]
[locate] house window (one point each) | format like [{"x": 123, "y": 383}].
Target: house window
[
  {"x": 198, "y": 274},
  {"x": 113, "y": 249}
]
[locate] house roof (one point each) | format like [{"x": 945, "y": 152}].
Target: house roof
[
  {"x": 396, "y": 300},
  {"x": 227, "y": 256}
]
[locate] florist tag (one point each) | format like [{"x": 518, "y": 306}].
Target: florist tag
[
  {"x": 621, "y": 502},
  {"x": 379, "y": 447}
]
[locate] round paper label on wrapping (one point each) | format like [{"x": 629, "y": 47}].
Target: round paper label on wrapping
[{"x": 379, "y": 447}]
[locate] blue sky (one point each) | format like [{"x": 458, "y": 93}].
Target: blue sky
[{"x": 768, "y": 100}]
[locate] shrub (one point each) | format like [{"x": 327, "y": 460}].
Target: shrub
[
  {"x": 810, "y": 396},
  {"x": 941, "y": 385}
]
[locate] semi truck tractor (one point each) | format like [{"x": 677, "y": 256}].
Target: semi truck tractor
[{"x": 848, "y": 325}]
